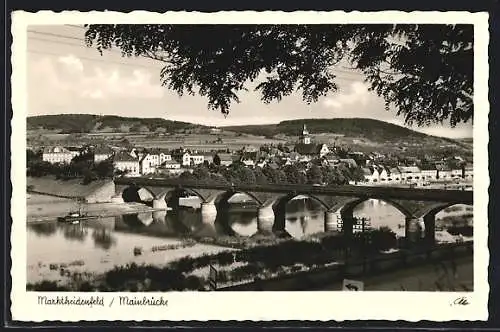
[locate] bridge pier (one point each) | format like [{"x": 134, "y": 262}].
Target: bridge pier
[
  {"x": 208, "y": 213},
  {"x": 331, "y": 221},
  {"x": 413, "y": 228},
  {"x": 347, "y": 224},
  {"x": 159, "y": 216},
  {"x": 430, "y": 228},
  {"x": 265, "y": 219},
  {"x": 159, "y": 203}
]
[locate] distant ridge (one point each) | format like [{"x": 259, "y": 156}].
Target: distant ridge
[
  {"x": 371, "y": 129},
  {"x": 86, "y": 123},
  {"x": 361, "y": 128}
]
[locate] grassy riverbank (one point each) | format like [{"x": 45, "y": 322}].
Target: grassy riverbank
[{"x": 234, "y": 267}]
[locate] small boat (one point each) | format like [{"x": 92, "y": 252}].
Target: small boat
[{"x": 74, "y": 217}]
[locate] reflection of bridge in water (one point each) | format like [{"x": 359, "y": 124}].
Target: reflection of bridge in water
[{"x": 419, "y": 206}]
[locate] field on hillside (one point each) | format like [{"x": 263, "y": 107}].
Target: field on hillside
[
  {"x": 365, "y": 135},
  {"x": 195, "y": 141}
]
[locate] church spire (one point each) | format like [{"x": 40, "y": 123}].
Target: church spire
[
  {"x": 304, "y": 138},
  {"x": 304, "y": 130}
]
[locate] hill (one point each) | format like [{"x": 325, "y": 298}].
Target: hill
[
  {"x": 370, "y": 129},
  {"x": 86, "y": 123}
]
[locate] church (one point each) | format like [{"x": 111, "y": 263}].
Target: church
[{"x": 306, "y": 148}]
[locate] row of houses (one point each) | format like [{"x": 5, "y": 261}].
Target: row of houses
[
  {"x": 59, "y": 154},
  {"x": 400, "y": 174}
]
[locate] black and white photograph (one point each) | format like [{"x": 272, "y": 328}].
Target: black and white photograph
[{"x": 203, "y": 158}]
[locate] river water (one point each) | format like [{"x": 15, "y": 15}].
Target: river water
[{"x": 100, "y": 244}]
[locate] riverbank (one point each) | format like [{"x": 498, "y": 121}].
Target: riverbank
[
  {"x": 240, "y": 271},
  {"x": 41, "y": 208}
]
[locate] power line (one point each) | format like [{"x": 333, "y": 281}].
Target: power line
[
  {"x": 92, "y": 59},
  {"x": 336, "y": 71},
  {"x": 111, "y": 50},
  {"x": 70, "y": 44},
  {"x": 75, "y": 26},
  {"x": 139, "y": 65},
  {"x": 54, "y": 41},
  {"x": 55, "y": 35}
]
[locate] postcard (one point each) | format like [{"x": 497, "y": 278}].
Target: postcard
[{"x": 249, "y": 166}]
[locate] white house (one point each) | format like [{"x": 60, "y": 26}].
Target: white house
[
  {"x": 367, "y": 174},
  {"x": 171, "y": 164},
  {"x": 164, "y": 156},
  {"x": 57, "y": 154},
  {"x": 148, "y": 163},
  {"x": 456, "y": 173},
  {"x": 126, "y": 163},
  {"x": 395, "y": 174},
  {"x": 384, "y": 174},
  {"x": 371, "y": 174},
  {"x": 323, "y": 150},
  {"x": 262, "y": 163},
  {"x": 75, "y": 151},
  {"x": 444, "y": 172},
  {"x": 429, "y": 173},
  {"x": 186, "y": 159},
  {"x": 196, "y": 159},
  {"x": 103, "y": 153},
  {"x": 225, "y": 159},
  {"x": 410, "y": 173},
  {"x": 159, "y": 156},
  {"x": 248, "y": 163}
]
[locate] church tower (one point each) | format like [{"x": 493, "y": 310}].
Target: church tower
[{"x": 304, "y": 137}]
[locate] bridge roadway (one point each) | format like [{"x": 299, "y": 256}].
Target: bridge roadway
[
  {"x": 419, "y": 206},
  {"x": 433, "y": 195}
]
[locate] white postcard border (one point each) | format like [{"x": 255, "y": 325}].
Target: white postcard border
[{"x": 202, "y": 306}]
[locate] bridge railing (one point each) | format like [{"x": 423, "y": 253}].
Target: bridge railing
[{"x": 455, "y": 196}]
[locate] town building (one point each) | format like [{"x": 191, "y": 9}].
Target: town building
[
  {"x": 148, "y": 163},
  {"x": 171, "y": 164},
  {"x": 159, "y": 156},
  {"x": 186, "y": 159},
  {"x": 208, "y": 157},
  {"x": 196, "y": 159},
  {"x": 429, "y": 172},
  {"x": 469, "y": 171},
  {"x": 74, "y": 150},
  {"x": 226, "y": 159},
  {"x": 351, "y": 163},
  {"x": 124, "y": 162},
  {"x": 368, "y": 174},
  {"x": 410, "y": 173},
  {"x": 102, "y": 154},
  {"x": 57, "y": 154},
  {"x": 444, "y": 171},
  {"x": 395, "y": 174}
]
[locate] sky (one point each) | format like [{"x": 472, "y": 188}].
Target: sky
[{"x": 65, "y": 76}]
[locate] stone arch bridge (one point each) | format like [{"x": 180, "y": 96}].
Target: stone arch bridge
[{"x": 419, "y": 206}]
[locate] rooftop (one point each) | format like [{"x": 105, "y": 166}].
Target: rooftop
[{"x": 123, "y": 156}]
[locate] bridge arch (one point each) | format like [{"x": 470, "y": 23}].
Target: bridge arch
[
  {"x": 284, "y": 200},
  {"x": 137, "y": 194},
  {"x": 348, "y": 207},
  {"x": 435, "y": 208},
  {"x": 171, "y": 191},
  {"x": 280, "y": 203},
  {"x": 429, "y": 213},
  {"x": 225, "y": 196},
  {"x": 172, "y": 195}
]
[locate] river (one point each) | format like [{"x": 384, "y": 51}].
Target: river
[{"x": 100, "y": 244}]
